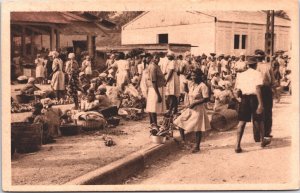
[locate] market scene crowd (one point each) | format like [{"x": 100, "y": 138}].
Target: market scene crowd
[{"x": 181, "y": 87}]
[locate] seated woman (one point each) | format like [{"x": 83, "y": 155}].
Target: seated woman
[
  {"x": 53, "y": 120},
  {"x": 36, "y": 116},
  {"x": 223, "y": 97},
  {"x": 30, "y": 87},
  {"x": 102, "y": 98},
  {"x": 90, "y": 104}
]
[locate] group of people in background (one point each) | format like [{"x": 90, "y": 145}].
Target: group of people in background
[{"x": 168, "y": 81}]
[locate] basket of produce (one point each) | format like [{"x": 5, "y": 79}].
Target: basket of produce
[
  {"x": 109, "y": 112},
  {"x": 70, "y": 129},
  {"x": 90, "y": 121},
  {"x": 22, "y": 79},
  {"x": 27, "y": 137}
]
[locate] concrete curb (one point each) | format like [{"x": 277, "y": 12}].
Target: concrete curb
[{"x": 121, "y": 169}]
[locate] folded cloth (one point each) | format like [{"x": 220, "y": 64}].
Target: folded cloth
[{"x": 90, "y": 115}]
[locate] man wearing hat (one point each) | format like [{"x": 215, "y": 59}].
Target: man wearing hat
[
  {"x": 267, "y": 73},
  {"x": 249, "y": 83}
]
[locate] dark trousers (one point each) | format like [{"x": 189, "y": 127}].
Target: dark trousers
[{"x": 267, "y": 99}]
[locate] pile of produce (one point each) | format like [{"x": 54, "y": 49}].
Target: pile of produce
[
  {"x": 130, "y": 101},
  {"x": 20, "y": 108},
  {"x": 131, "y": 113}
]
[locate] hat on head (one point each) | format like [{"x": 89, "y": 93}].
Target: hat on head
[
  {"x": 213, "y": 54},
  {"x": 251, "y": 60},
  {"x": 31, "y": 80},
  {"x": 71, "y": 55},
  {"x": 221, "y": 55}
]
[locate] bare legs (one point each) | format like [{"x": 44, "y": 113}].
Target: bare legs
[
  {"x": 198, "y": 135},
  {"x": 153, "y": 118},
  {"x": 240, "y": 132}
]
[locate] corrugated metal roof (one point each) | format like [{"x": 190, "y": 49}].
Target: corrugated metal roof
[
  {"x": 39, "y": 17},
  {"x": 255, "y": 17},
  {"x": 82, "y": 28}
]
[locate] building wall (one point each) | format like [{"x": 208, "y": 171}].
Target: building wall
[
  {"x": 200, "y": 35},
  {"x": 255, "y": 37}
]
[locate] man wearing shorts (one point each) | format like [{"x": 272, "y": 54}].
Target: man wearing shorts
[{"x": 249, "y": 83}]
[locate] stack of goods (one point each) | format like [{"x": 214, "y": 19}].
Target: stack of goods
[
  {"x": 20, "y": 108},
  {"x": 131, "y": 113},
  {"x": 130, "y": 101},
  {"x": 90, "y": 120}
]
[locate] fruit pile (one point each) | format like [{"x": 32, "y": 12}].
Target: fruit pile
[
  {"x": 20, "y": 108},
  {"x": 129, "y": 101}
]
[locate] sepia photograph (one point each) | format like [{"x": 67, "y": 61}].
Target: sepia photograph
[{"x": 113, "y": 96}]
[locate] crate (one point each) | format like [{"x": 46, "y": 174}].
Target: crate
[{"x": 27, "y": 137}]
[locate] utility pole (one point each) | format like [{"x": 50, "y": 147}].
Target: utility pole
[{"x": 269, "y": 37}]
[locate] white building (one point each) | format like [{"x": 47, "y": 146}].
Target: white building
[{"x": 227, "y": 32}]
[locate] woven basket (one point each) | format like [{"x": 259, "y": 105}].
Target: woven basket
[
  {"x": 90, "y": 125},
  {"x": 27, "y": 137},
  {"x": 70, "y": 129},
  {"x": 224, "y": 120}
]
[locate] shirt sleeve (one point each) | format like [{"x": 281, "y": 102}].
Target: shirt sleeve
[{"x": 204, "y": 91}]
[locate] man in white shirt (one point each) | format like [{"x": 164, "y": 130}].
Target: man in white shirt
[{"x": 249, "y": 83}]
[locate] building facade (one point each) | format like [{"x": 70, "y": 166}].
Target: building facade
[{"x": 226, "y": 32}]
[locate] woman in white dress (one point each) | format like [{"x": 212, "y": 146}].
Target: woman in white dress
[
  {"x": 39, "y": 70},
  {"x": 143, "y": 76},
  {"x": 194, "y": 117},
  {"x": 123, "y": 70},
  {"x": 156, "y": 81},
  {"x": 58, "y": 78},
  {"x": 87, "y": 67},
  {"x": 172, "y": 84}
]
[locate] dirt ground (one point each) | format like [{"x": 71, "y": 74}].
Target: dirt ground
[
  {"x": 217, "y": 163},
  {"x": 72, "y": 156}
]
